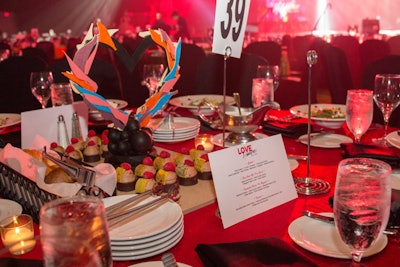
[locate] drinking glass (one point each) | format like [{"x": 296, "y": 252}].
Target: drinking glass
[
  {"x": 152, "y": 74},
  {"x": 61, "y": 94},
  {"x": 269, "y": 72},
  {"x": 361, "y": 202},
  {"x": 262, "y": 91},
  {"x": 67, "y": 220},
  {"x": 359, "y": 111},
  {"x": 40, "y": 85},
  {"x": 387, "y": 98}
]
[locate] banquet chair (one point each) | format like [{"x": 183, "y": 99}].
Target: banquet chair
[
  {"x": 48, "y": 48},
  {"x": 269, "y": 50},
  {"x": 394, "y": 44},
  {"x": 371, "y": 50},
  {"x": 36, "y": 52},
  {"x": 350, "y": 44},
  {"x": 388, "y": 64},
  {"x": 191, "y": 56},
  {"x": 15, "y": 92},
  {"x": 239, "y": 75},
  {"x": 290, "y": 93}
]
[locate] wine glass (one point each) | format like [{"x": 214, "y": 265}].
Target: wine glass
[
  {"x": 387, "y": 98},
  {"x": 152, "y": 74},
  {"x": 359, "y": 111},
  {"x": 361, "y": 203},
  {"x": 269, "y": 72},
  {"x": 40, "y": 85}
]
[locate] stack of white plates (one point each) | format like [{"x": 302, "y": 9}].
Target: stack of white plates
[
  {"x": 149, "y": 233},
  {"x": 183, "y": 129}
]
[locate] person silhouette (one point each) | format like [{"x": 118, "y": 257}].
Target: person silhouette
[{"x": 181, "y": 28}]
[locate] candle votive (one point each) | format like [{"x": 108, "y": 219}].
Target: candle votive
[
  {"x": 17, "y": 234},
  {"x": 205, "y": 140}
]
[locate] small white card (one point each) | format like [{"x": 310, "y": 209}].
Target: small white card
[
  {"x": 43, "y": 122},
  {"x": 229, "y": 27},
  {"x": 251, "y": 178}
]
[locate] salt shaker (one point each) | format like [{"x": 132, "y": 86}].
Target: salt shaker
[
  {"x": 76, "y": 127},
  {"x": 62, "y": 134}
]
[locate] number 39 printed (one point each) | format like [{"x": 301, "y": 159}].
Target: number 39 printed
[{"x": 229, "y": 26}]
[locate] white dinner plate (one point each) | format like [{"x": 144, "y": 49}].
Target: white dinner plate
[
  {"x": 181, "y": 124},
  {"x": 333, "y": 123},
  {"x": 146, "y": 242},
  {"x": 325, "y": 140},
  {"x": 191, "y": 102},
  {"x": 395, "y": 179},
  {"x": 293, "y": 164},
  {"x": 9, "y": 208},
  {"x": 9, "y": 119},
  {"x": 150, "y": 249},
  {"x": 173, "y": 139},
  {"x": 149, "y": 254},
  {"x": 117, "y": 103},
  {"x": 154, "y": 222},
  {"x": 156, "y": 264},
  {"x": 217, "y": 140},
  {"x": 394, "y": 139},
  {"x": 322, "y": 238}
]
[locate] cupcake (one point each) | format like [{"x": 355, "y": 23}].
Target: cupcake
[
  {"x": 104, "y": 146},
  {"x": 166, "y": 177},
  {"x": 77, "y": 144},
  {"x": 146, "y": 183},
  {"x": 92, "y": 136},
  {"x": 145, "y": 166},
  {"x": 91, "y": 152},
  {"x": 187, "y": 174},
  {"x": 74, "y": 153},
  {"x": 125, "y": 177},
  {"x": 55, "y": 147},
  {"x": 162, "y": 159},
  {"x": 203, "y": 168},
  {"x": 181, "y": 157},
  {"x": 197, "y": 152}
]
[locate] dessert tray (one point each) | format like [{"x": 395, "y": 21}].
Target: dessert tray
[{"x": 149, "y": 233}]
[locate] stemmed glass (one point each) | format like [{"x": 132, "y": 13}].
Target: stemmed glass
[
  {"x": 387, "y": 98},
  {"x": 152, "y": 74},
  {"x": 40, "y": 85},
  {"x": 361, "y": 203},
  {"x": 269, "y": 72},
  {"x": 359, "y": 111}
]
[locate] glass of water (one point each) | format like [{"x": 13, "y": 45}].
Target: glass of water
[
  {"x": 262, "y": 91},
  {"x": 74, "y": 232},
  {"x": 361, "y": 202}
]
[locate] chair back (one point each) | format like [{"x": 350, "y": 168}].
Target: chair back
[
  {"x": 372, "y": 50},
  {"x": 269, "y": 50},
  {"x": 15, "y": 91},
  {"x": 394, "y": 44}
]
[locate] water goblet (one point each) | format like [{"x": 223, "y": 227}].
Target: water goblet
[
  {"x": 262, "y": 92},
  {"x": 387, "y": 98},
  {"x": 361, "y": 203},
  {"x": 40, "y": 83},
  {"x": 269, "y": 72},
  {"x": 359, "y": 111},
  {"x": 152, "y": 74}
]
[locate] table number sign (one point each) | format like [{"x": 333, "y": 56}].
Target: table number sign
[
  {"x": 255, "y": 177},
  {"x": 229, "y": 26}
]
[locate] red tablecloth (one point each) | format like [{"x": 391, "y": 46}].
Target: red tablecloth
[{"x": 204, "y": 227}]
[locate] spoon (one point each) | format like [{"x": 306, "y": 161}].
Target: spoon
[{"x": 236, "y": 96}]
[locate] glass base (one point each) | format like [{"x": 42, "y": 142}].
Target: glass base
[{"x": 311, "y": 186}]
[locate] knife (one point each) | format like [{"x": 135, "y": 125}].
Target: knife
[
  {"x": 319, "y": 217},
  {"x": 330, "y": 220}
]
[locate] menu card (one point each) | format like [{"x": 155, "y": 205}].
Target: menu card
[
  {"x": 43, "y": 122},
  {"x": 251, "y": 178}
]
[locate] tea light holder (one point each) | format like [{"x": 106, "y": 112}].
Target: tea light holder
[
  {"x": 17, "y": 234},
  {"x": 205, "y": 140}
]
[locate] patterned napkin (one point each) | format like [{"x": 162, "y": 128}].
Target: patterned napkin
[{"x": 262, "y": 252}]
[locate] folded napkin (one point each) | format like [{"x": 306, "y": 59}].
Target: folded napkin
[
  {"x": 289, "y": 129},
  {"x": 262, "y": 252},
  {"x": 351, "y": 150}
]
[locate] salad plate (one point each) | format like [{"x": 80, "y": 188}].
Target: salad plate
[
  {"x": 326, "y": 115},
  {"x": 192, "y": 102}
]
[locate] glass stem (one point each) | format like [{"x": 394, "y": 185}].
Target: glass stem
[{"x": 356, "y": 258}]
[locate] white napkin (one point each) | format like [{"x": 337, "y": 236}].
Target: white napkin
[{"x": 106, "y": 177}]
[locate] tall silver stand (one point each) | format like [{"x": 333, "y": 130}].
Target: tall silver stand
[{"x": 308, "y": 185}]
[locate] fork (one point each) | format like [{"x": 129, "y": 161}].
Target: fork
[{"x": 168, "y": 260}]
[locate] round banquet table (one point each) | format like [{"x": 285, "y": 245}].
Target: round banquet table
[{"x": 202, "y": 226}]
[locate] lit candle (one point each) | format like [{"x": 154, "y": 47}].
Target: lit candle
[
  {"x": 205, "y": 140},
  {"x": 17, "y": 234}
]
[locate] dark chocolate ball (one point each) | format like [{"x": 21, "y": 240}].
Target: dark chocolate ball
[
  {"x": 141, "y": 141},
  {"x": 132, "y": 125},
  {"x": 114, "y": 135}
]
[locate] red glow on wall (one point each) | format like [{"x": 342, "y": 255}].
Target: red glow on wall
[{"x": 6, "y": 14}]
